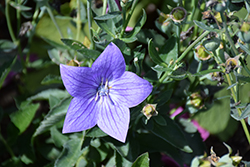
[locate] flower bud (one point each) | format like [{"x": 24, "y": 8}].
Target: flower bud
[
  {"x": 149, "y": 110},
  {"x": 73, "y": 62},
  {"x": 231, "y": 64},
  {"x": 201, "y": 54},
  {"x": 178, "y": 14},
  {"x": 196, "y": 100}
]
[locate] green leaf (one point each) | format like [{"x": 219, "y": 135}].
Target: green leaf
[
  {"x": 206, "y": 72},
  {"x": 58, "y": 138},
  {"x": 19, "y": 7},
  {"x": 70, "y": 154},
  {"x": 58, "y": 57},
  {"x": 117, "y": 21},
  {"x": 231, "y": 86},
  {"x": 73, "y": 44},
  {"x": 142, "y": 161},
  {"x": 23, "y": 117},
  {"x": 246, "y": 112},
  {"x": 172, "y": 134},
  {"x": 145, "y": 35},
  {"x": 243, "y": 78},
  {"x": 51, "y": 79},
  {"x": 89, "y": 53},
  {"x": 5, "y": 69},
  {"x": 154, "y": 54},
  {"x": 53, "y": 101},
  {"x": 107, "y": 26},
  {"x": 45, "y": 95},
  {"x": 205, "y": 27},
  {"x": 108, "y": 16},
  {"x": 169, "y": 51},
  {"x": 244, "y": 47},
  {"x": 95, "y": 132},
  {"x": 179, "y": 74},
  {"x": 131, "y": 37},
  {"x": 54, "y": 116},
  {"x": 164, "y": 97}
]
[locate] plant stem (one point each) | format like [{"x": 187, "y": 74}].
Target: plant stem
[
  {"x": 13, "y": 38},
  {"x": 128, "y": 18},
  {"x": 78, "y": 21},
  {"x": 53, "y": 19},
  {"x": 18, "y": 16},
  {"x": 104, "y": 8},
  {"x": 92, "y": 46},
  {"x": 191, "y": 46},
  {"x": 7, "y": 146}
]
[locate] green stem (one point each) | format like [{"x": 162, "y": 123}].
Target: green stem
[
  {"x": 18, "y": 16},
  {"x": 104, "y": 8},
  {"x": 92, "y": 46},
  {"x": 128, "y": 18},
  {"x": 78, "y": 21},
  {"x": 53, "y": 19},
  {"x": 191, "y": 46},
  {"x": 9, "y": 22},
  {"x": 242, "y": 121},
  {"x": 7, "y": 146}
]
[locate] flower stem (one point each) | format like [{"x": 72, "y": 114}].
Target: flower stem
[
  {"x": 78, "y": 21},
  {"x": 53, "y": 19},
  {"x": 13, "y": 38},
  {"x": 92, "y": 46},
  {"x": 191, "y": 46}
]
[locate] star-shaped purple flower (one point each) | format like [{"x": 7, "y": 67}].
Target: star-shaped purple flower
[{"x": 103, "y": 94}]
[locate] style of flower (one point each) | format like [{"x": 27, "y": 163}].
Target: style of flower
[{"x": 103, "y": 94}]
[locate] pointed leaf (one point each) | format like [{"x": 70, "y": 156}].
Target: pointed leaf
[
  {"x": 108, "y": 16},
  {"x": 142, "y": 161},
  {"x": 205, "y": 27},
  {"x": 89, "y": 53},
  {"x": 51, "y": 79},
  {"x": 70, "y": 154},
  {"x": 19, "y": 7},
  {"x": 246, "y": 112},
  {"x": 73, "y": 44},
  {"x": 23, "y": 117},
  {"x": 58, "y": 138},
  {"x": 45, "y": 95},
  {"x": 106, "y": 26},
  {"x": 154, "y": 54}
]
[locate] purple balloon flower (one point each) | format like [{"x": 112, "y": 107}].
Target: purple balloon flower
[{"x": 103, "y": 94}]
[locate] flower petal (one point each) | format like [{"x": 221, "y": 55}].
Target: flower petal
[
  {"x": 78, "y": 80},
  {"x": 110, "y": 64},
  {"x": 129, "y": 90},
  {"x": 113, "y": 120},
  {"x": 81, "y": 115}
]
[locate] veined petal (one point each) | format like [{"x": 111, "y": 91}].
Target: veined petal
[
  {"x": 110, "y": 64},
  {"x": 113, "y": 120},
  {"x": 81, "y": 115},
  {"x": 78, "y": 81},
  {"x": 129, "y": 90}
]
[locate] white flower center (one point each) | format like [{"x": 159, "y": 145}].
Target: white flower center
[{"x": 103, "y": 90}]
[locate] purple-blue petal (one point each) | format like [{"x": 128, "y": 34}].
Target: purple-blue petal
[
  {"x": 113, "y": 120},
  {"x": 78, "y": 81},
  {"x": 110, "y": 64},
  {"x": 129, "y": 90},
  {"x": 81, "y": 115}
]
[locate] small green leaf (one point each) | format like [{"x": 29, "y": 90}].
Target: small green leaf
[
  {"x": 58, "y": 138},
  {"x": 231, "y": 86},
  {"x": 169, "y": 51},
  {"x": 211, "y": 44},
  {"x": 108, "y": 16},
  {"x": 5, "y": 69},
  {"x": 73, "y": 44},
  {"x": 160, "y": 120},
  {"x": 145, "y": 35},
  {"x": 246, "y": 112},
  {"x": 142, "y": 161},
  {"x": 95, "y": 132},
  {"x": 19, "y": 7},
  {"x": 206, "y": 72},
  {"x": 205, "y": 27},
  {"x": 89, "y": 53},
  {"x": 107, "y": 26},
  {"x": 51, "y": 79},
  {"x": 23, "y": 117},
  {"x": 45, "y": 95},
  {"x": 70, "y": 154},
  {"x": 54, "y": 116},
  {"x": 154, "y": 54}
]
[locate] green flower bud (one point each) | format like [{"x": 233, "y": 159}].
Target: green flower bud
[
  {"x": 149, "y": 110},
  {"x": 178, "y": 14},
  {"x": 201, "y": 54}
]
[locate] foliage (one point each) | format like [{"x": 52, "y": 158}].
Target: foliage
[{"x": 194, "y": 53}]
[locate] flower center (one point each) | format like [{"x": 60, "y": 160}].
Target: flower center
[{"x": 103, "y": 90}]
